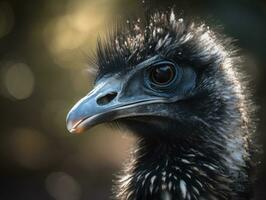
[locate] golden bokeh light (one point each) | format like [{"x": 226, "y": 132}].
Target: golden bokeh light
[
  {"x": 6, "y": 18},
  {"x": 69, "y": 35},
  {"x": 19, "y": 81},
  {"x": 62, "y": 186}
]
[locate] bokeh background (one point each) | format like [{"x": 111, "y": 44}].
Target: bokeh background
[{"x": 44, "y": 48}]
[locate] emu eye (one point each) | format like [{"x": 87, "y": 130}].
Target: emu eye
[{"x": 162, "y": 74}]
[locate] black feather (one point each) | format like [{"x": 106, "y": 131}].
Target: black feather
[{"x": 205, "y": 148}]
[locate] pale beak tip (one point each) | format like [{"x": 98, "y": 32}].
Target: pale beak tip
[{"x": 74, "y": 130}]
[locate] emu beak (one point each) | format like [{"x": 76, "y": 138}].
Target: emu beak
[
  {"x": 94, "y": 108},
  {"x": 105, "y": 103}
]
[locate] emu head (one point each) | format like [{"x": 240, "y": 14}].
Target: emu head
[
  {"x": 168, "y": 79},
  {"x": 176, "y": 85}
]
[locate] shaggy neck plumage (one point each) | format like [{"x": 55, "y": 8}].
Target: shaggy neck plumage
[{"x": 176, "y": 170}]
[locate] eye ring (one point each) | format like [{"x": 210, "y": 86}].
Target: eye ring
[{"x": 162, "y": 74}]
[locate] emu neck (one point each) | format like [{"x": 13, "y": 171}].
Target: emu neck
[{"x": 177, "y": 170}]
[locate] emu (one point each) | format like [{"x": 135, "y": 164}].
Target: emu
[{"x": 177, "y": 86}]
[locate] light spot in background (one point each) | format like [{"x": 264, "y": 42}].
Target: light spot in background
[
  {"x": 67, "y": 37},
  {"x": 19, "y": 81},
  {"x": 6, "y": 18},
  {"x": 29, "y": 148},
  {"x": 62, "y": 186}
]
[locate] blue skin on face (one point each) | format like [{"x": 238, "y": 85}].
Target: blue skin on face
[{"x": 134, "y": 93}]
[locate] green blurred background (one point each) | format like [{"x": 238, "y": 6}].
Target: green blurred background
[{"x": 44, "y": 48}]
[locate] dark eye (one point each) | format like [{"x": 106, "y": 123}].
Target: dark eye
[{"x": 162, "y": 74}]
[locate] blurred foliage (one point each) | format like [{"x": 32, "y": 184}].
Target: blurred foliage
[{"x": 44, "y": 48}]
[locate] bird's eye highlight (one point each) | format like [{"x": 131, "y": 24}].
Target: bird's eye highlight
[{"x": 162, "y": 74}]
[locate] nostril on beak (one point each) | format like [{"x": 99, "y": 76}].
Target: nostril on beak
[{"x": 106, "y": 98}]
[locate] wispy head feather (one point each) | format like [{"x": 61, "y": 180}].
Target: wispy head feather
[{"x": 170, "y": 37}]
